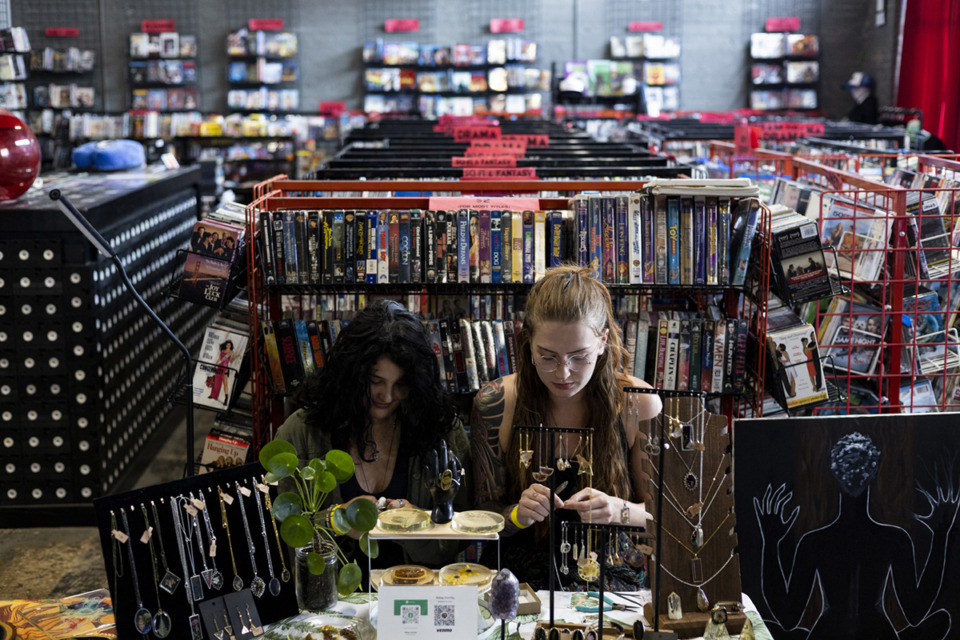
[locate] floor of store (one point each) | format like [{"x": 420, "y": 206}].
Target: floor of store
[{"x": 53, "y": 562}]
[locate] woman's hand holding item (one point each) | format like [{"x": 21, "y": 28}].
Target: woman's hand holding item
[{"x": 534, "y": 505}]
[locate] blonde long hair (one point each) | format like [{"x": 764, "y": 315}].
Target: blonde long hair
[{"x": 568, "y": 294}]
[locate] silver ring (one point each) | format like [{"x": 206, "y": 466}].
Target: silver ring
[{"x": 401, "y": 502}]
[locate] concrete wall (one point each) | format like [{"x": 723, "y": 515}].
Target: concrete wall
[{"x": 714, "y": 38}]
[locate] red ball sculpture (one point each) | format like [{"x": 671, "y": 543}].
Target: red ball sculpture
[{"x": 19, "y": 156}]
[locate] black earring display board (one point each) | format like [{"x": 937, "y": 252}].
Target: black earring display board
[{"x": 267, "y": 609}]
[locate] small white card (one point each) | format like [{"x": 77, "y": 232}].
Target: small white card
[{"x": 427, "y": 612}]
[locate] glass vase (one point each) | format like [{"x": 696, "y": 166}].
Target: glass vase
[{"x": 316, "y": 592}]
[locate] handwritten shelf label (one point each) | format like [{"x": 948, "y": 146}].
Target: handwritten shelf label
[
  {"x": 484, "y": 161},
  {"x": 265, "y": 24},
  {"x": 506, "y": 25},
  {"x": 645, "y": 26},
  {"x": 157, "y": 26},
  {"x": 517, "y": 173},
  {"x": 61, "y": 32},
  {"x": 401, "y": 25},
  {"x": 469, "y": 134},
  {"x": 790, "y": 23}
]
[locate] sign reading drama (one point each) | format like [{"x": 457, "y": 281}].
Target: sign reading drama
[
  {"x": 530, "y": 140},
  {"x": 516, "y": 173},
  {"x": 401, "y": 25},
  {"x": 485, "y": 203},
  {"x": 331, "y": 109},
  {"x": 471, "y": 133},
  {"x": 265, "y": 24},
  {"x": 157, "y": 26},
  {"x": 788, "y": 130},
  {"x": 61, "y": 32},
  {"x": 791, "y": 23},
  {"x": 483, "y": 161},
  {"x": 506, "y": 25},
  {"x": 645, "y": 26}
]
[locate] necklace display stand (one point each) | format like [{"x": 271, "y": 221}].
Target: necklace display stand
[{"x": 692, "y": 489}]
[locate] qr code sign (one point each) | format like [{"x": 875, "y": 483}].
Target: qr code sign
[
  {"x": 410, "y": 614},
  {"x": 443, "y": 615}
]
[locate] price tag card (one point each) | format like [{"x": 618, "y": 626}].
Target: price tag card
[{"x": 427, "y": 612}]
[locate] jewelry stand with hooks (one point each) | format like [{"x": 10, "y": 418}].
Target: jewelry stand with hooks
[
  {"x": 694, "y": 520},
  {"x": 171, "y": 556},
  {"x": 551, "y": 432}
]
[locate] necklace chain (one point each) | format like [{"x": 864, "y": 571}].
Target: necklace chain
[
  {"x": 246, "y": 528},
  {"x": 263, "y": 529},
  {"x": 273, "y": 521},
  {"x": 383, "y": 476},
  {"x": 153, "y": 555},
  {"x": 702, "y": 584},
  {"x": 226, "y": 526},
  {"x": 133, "y": 566}
]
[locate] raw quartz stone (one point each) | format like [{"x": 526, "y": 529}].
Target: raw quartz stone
[
  {"x": 716, "y": 631},
  {"x": 747, "y": 632},
  {"x": 504, "y": 595},
  {"x": 674, "y": 608}
]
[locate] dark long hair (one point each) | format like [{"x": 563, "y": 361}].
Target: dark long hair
[
  {"x": 571, "y": 294},
  {"x": 337, "y": 398}
]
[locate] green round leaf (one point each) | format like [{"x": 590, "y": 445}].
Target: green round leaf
[
  {"x": 340, "y": 464},
  {"x": 362, "y": 515},
  {"x": 349, "y": 579},
  {"x": 316, "y": 563},
  {"x": 287, "y": 504},
  {"x": 317, "y": 465},
  {"x": 340, "y": 521},
  {"x": 282, "y": 464},
  {"x": 374, "y": 547},
  {"x": 273, "y": 448},
  {"x": 269, "y": 478},
  {"x": 308, "y": 473},
  {"x": 326, "y": 482},
  {"x": 296, "y": 531}
]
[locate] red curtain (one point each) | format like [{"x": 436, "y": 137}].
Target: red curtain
[{"x": 930, "y": 66}]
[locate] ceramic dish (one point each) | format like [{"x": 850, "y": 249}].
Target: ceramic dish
[
  {"x": 477, "y": 522},
  {"x": 406, "y": 519}
]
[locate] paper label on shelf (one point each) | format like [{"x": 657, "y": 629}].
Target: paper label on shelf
[
  {"x": 506, "y": 25},
  {"x": 401, "y": 25},
  {"x": 484, "y": 161},
  {"x": 157, "y": 26},
  {"x": 426, "y": 612},
  {"x": 265, "y": 24},
  {"x": 784, "y": 131},
  {"x": 516, "y": 173},
  {"x": 645, "y": 26},
  {"x": 485, "y": 203},
  {"x": 790, "y": 23},
  {"x": 529, "y": 139},
  {"x": 471, "y": 133},
  {"x": 61, "y": 32}
]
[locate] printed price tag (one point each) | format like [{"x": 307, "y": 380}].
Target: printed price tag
[
  {"x": 245, "y": 492},
  {"x": 213, "y": 549},
  {"x": 189, "y": 509},
  {"x": 645, "y": 549},
  {"x": 119, "y": 536},
  {"x": 198, "y": 504},
  {"x": 227, "y": 498},
  {"x": 145, "y": 538},
  {"x": 263, "y": 488}
]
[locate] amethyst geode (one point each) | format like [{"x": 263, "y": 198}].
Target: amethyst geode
[{"x": 504, "y": 595}]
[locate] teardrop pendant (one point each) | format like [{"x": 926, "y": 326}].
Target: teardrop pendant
[
  {"x": 696, "y": 538},
  {"x": 703, "y": 602}
]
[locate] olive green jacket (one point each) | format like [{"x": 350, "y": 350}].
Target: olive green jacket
[{"x": 313, "y": 443}]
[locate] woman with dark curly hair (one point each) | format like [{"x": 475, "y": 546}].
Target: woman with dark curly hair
[
  {"x": 379, "y": 397},
  {"x": 569, "y": 375}
]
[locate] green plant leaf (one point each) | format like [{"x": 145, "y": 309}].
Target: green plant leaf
[
  {"x": 349, "y": 579},
  {"x": 361, "y": 515},
  {"x": 340, "y": 521},
  {"x": 340, "y": 464},
  {"x": 269, "y": 478},
  {"x": 317, "y": 465},
  {"x": 316, "y": 563},
  {"x": 296, "y": 531},
  {"x": 308, "y": 473},
  {"x": 287, "y": 504},
  {"x": 374, "y": 549},
  {"x": 273, "y": 448},
  {"x": 326, "y": 482},
  {"x": 282, "y": 465}
]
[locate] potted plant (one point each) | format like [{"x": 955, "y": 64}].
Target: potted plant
[{"x": 303, "y": 519}]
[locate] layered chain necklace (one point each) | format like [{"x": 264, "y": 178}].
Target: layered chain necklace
[{"x": 361, "y": 464}]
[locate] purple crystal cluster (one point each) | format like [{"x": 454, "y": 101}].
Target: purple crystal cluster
[{"x": 504, "y": 595}]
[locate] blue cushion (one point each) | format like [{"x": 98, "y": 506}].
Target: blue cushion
[{"x": 109, "y": 155}]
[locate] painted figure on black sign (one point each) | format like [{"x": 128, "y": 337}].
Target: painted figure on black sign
[{"x": 863, "y": 585}]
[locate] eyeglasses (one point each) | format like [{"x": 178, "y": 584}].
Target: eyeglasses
[{"x": 549, "y": 364}]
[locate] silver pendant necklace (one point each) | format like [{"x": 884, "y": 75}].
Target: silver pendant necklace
[
  {"x": 161, "y": 620},
  {"x": 142, "y": 619},
  {"x": 274, "y": 584},
  {"x": 257, "y": 585}
]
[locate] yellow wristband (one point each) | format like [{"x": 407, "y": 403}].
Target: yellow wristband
[
  {"x": 332, "y": 525},
  {"x": 513, "y": 519}
]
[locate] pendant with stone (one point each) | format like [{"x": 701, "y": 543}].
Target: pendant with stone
[
  {"x": 143, "y": 620},
  {"x": 696, "y": 538},
  {"x": 237, "y": 583},
  {"x": 257, "y": 586},
  {"x": 690, "y": 481},
  {"x": 162, "y": 624},
  {"x": 274, "y": 587}
]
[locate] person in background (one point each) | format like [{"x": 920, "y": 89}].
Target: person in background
[
  {"x": 569, "y": 375},
  {"x": 867, "y": 108},
  {"x": 379, "y": 397}
]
